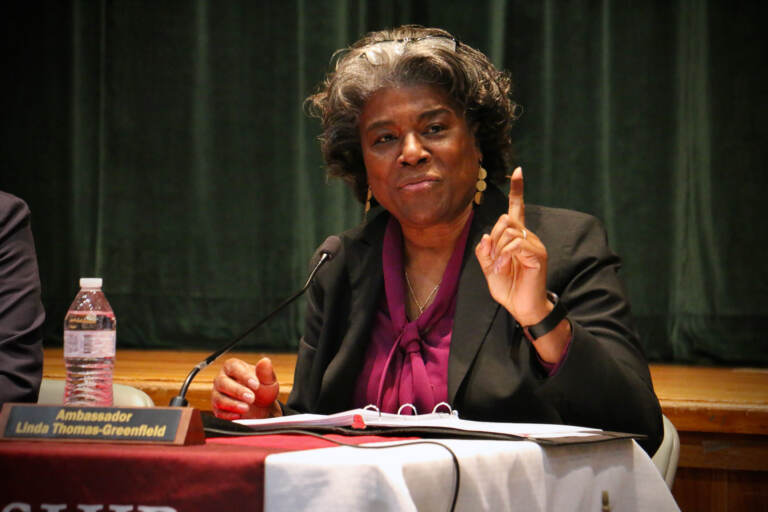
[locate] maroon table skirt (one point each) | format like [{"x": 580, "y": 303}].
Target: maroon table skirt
[{"x": 223, "y": 474}]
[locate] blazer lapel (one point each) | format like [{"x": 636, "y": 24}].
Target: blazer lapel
[
  {"x": 475, "y": 308},
  {"x": 365, "y": 288}
]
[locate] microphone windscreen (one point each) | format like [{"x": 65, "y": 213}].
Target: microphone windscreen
[{"x": 330, "y": 247}]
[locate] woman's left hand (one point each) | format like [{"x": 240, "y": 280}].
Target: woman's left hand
[{"x": 514, "y": 261}]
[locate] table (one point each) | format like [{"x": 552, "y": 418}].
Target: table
[
  {"x": 288, "y": 472},
  {"x": 495, "y": 476},
  {"x": 720, "y": 413}
]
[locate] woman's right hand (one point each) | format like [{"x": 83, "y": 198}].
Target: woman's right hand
[{"x": 242, "y": 390}]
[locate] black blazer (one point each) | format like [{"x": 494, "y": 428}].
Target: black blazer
[
  {"x": 21, "y": 311},
  {"x": 493, "y": 371}
]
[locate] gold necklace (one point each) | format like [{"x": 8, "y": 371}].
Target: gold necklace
[{"x": 413, "y": 294}]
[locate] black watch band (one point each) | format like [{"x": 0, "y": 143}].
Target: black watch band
[{"x": 550, "y": 321}]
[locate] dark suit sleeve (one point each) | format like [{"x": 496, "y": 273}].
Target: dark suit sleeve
[
  {"x": 604, "y": 380},
  {"x": 21, "y": 311}
]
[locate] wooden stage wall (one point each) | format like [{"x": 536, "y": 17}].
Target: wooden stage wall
[{"x": 721, "y": 415}]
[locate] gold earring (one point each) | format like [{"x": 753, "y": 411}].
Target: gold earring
[
  {"x": 480, "y": 185},
  {"x": 368, "y": 200}
]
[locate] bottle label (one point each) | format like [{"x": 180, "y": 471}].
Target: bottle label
[{"x": 89, "y": 343}]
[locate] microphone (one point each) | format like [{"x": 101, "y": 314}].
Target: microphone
[{"x": 327, "y": 251}]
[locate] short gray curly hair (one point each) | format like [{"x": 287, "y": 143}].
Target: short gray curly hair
[{"x": 471, "y": 80}]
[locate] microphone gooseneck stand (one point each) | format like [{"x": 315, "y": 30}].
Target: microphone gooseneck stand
[{"x": 328, "y": 250}]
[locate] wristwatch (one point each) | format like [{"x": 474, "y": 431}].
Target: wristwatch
[{"x": 533, "y": 332}]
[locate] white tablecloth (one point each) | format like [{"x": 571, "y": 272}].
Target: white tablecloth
[{"x": 495, "y": 476}]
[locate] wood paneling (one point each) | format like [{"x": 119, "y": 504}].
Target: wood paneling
[
  {"x": 160, "y": 373},
  {"x": 737, "y": 452},
  {"x": 718, "y": 490},
  {"x": 705, "y": 399},
  {"x": 695, "y": 399}
]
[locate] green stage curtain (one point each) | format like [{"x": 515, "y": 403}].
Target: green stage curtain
[{"x": 164, "y": 147}]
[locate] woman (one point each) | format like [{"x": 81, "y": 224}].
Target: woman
[{"x": 449, "y": 291}]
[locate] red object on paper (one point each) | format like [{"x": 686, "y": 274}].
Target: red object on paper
[{"x": 357, "y": 422}]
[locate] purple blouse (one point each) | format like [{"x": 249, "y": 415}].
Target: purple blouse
[{"x": 407, "y": 361}]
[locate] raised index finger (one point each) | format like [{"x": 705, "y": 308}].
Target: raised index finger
[{"x": 516, "y": 203}]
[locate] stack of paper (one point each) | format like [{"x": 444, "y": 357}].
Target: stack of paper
[{"x": 366, "y": 418}]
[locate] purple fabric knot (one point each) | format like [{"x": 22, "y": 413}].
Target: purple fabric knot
[
  {"x": 415, "y": 387},
  {"x": 410, "y": 340},
  {"x": 407, "y": 361}
]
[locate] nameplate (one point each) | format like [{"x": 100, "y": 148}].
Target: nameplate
[{"x": 154, "y": 425}]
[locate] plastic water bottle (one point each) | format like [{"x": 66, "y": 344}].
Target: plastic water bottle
[{"x": 89, "y": 346}]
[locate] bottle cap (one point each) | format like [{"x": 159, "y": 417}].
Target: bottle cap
[{"x": 90, "y": 282}]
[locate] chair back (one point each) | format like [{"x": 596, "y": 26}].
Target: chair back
[
  {"x": 52, "y": 393},
  {"x": 668, "y": 454}
]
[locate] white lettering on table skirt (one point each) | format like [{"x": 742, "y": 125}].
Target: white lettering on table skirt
[{"x": 18, "y": 506}]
